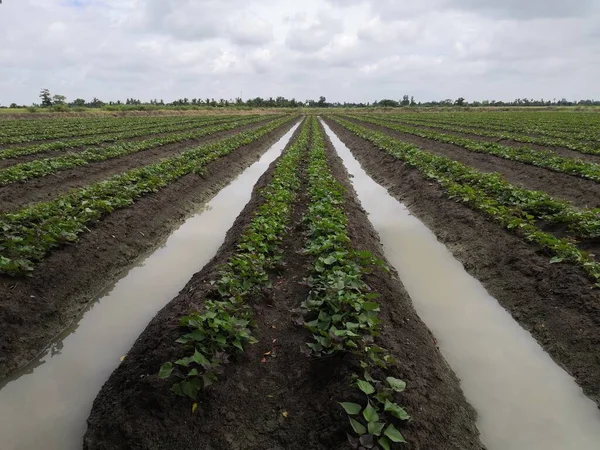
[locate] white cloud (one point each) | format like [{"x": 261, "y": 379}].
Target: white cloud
[{"x": 355, "y": 50}]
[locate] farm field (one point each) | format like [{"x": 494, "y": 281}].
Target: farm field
[{"x": 306, "y": 329}]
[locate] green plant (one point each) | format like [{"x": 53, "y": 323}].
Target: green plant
[
  {"x": 30, "y": 233},
  {"x": 374, "y": 421},
  {"x": 340, "y": 310},
  {"x": 225, "y": 324},
  {"x": 487, "y": 193}
]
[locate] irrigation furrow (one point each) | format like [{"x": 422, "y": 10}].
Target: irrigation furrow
[{"x": 512, "y": 207}]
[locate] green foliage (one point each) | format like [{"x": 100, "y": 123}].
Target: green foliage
[
  {"x": 374, "y": 421},
  {"x": 539, "y": 158},
  {"x": 489, "y": 194},
  {"x": 340, "y": 310},
  {"x": 42, "y": 167},
  {"x": 30, "y": 233},
  {"x": 224, "y": 326},
  {"x": 573, "y": 131}
]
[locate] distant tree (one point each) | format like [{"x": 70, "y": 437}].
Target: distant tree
[
  {"x": 46, "y": 98},
  {"x": 78, "y": 102},
  {"x": 96, "y": 103},
  {"x": 13, "y": 105},
  {"x": 460, "y": 101},
  {"x": 412, "y": 101},
  {"x": 59, "y": 99},
  {"x": 322, "y": 102},
  {"x": 388, "y": 103},
  {"x": 405, "y": 101}
]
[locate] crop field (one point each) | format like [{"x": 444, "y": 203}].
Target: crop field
[{"x": 300, "y": 332}]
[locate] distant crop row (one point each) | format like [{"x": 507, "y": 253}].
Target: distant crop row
[
  {"x": 571, "y": 125},
  {"x": 514, "y": 208},
  {"x": 572, "y": 142},
  {"x": 546, "y": 159},
  {"x": 30, "y": 233},
  {"x": 43, "y": 167},
  {"x": 147, "y": 130},
  {"x": 41, "y": 130}
]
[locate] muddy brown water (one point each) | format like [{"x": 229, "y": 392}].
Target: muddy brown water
[
  {"x": 524, "y": 400},
  {"x": 45, "y": 405}
]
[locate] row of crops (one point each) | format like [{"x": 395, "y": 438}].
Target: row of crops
[
  {"x": 22, "y": 131},
  {"x": 30, "y": 233},
  {"x": 568, "y": 127},
  {"x": 43, "y": 167},
  {"x": 539, "y": 158},
  {"x": 582, "y": 143},
  {"x": 515, "y": 208},
  {"x": 340, "y": 311},
  {"x": 115, "y": 136}
]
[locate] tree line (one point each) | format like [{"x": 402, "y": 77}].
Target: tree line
[{"x": 59, "y": 103}]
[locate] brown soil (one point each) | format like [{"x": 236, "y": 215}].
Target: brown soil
[
  {"x": 135, "y": 410},
  {"x": 35, "y": 309},
  {"x": 581, "y": 192},
  {"x": 561, "y": 151},
  {"x": 19, "y": 194},
  {"x": 554, "y": 302}
]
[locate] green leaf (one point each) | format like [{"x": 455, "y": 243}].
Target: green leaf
[
  {"x": 394, "y": 435},
  {"x": 329, "y": 260},
  {"x": 370, "y": 414},
  {"x": 165, "y": 370},
  {"x": 556, "y": 259},
  {"x": 375, "y": 427},
  {"x": 185, "y": 362},
  {"x": 365, "y": 386},
  {"x": 199, "y": 358},
  {"x": 396, "y": 384},
  {"x": 384, "y": 443},
  {"x": 371, "y": 306},
  {"x": 395, "y": 410},
  {"x": 358, "y": 427},
  {"x": 191, "y": 388},
  {"x": 351, "y": 408}
]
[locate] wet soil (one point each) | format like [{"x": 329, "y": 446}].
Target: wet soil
[
  {"x": 33, "y": 310},
  {"x": 556, "y": 303},
  {"x": 581, "y": 192},
  {"x": 16, "y": 195},
  {"x": 245, "y": 410}
]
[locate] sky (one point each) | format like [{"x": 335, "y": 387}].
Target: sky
[{"x": 345, "y": 50}]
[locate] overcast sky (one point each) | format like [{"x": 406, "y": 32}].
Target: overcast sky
[{"x": 346, "y": 50}]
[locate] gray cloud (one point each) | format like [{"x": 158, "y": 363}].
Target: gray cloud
[{"x": 357, "y": 50}]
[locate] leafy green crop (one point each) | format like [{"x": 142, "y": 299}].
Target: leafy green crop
[
  {"x": 546, "y": 159},
  {"x": 30, "y": 233},
  {"x": 224, "y": 325},
  {"x": 14, "y": 152},
  {"x": 43, "y": 167},
  {"x": 42, "y": 130},
  {"x": 340, "y": 310},
  {"x": 573, "y": 141},
  {"x": 487, "y": 193}
]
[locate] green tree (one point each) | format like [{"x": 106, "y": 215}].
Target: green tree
[
  {"x": 46, "y": 98},
  {"x": 59, "y": 99}
]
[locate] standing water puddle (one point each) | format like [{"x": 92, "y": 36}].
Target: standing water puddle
[
  {"x": 45, "y": 405},
  {"x": 524, "y": 400}
]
